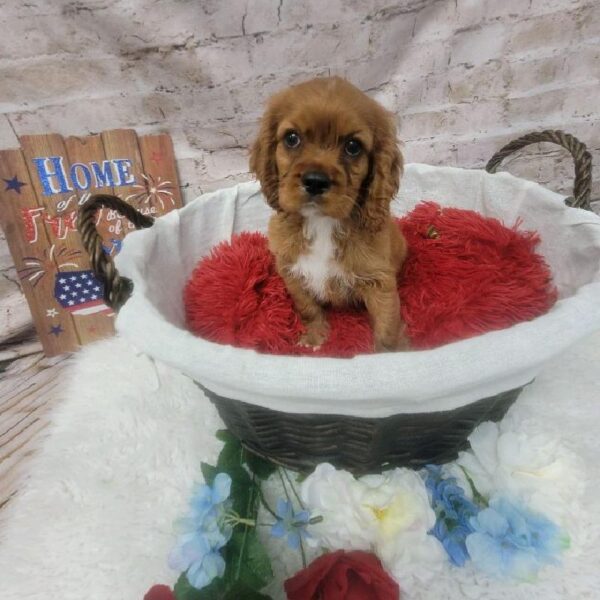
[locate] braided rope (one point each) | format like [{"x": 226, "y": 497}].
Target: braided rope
[
  {"x": 117, "y": 289},
  {"x": 582, "y": 158}
]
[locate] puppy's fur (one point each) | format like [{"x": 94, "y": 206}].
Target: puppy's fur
[{"x": 338, "y": 247}]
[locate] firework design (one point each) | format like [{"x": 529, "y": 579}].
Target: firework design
[
  {"x": 153, "y": 191},
  {"x": 78, "y": 291},
  {"x": 35, "y": 269}
]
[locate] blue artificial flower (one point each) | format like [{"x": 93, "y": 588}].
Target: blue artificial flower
[
  {"x": 289, "y": 523},
  {"x": 512, "y": 541},
  {"x": 203, "y": 533},
  {"x": 453, "y": 512}
]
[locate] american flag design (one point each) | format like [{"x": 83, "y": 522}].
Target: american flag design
[{"x": 80, "y": 292}]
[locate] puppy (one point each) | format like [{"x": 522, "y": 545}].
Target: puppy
[{"x": 328, "y": 163}]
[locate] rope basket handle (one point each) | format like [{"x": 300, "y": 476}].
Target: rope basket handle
[
  {"x": 117, "y": 289},
  {"x": 582, "y": 158}
]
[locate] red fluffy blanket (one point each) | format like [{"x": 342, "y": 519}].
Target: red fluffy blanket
[{"x": 465, "y": 275}]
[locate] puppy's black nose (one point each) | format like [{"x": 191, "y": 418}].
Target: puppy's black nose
[{"x": 316, "y": 182}]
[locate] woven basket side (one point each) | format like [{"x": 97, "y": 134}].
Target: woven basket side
[{"x": 360, "y": 445}]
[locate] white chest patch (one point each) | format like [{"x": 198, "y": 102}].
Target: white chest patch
[{"x": 318, "y": 265}]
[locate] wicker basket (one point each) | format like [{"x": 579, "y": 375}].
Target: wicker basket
[{"x": 361, "y": 445}]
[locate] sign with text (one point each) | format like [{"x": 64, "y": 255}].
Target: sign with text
[{"x": 42, "y": 186}]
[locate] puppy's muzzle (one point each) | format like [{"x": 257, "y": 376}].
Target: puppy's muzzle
[{"x": 316, "y": 182}]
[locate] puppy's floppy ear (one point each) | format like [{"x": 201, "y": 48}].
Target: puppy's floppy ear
[
  {"x": 383, "y": 180},
  {"x": 262, "y": 158}
]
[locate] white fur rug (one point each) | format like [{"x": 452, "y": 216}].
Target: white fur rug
[{"x": 94, "y": 520}]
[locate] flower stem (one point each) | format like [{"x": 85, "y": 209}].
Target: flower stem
[
  {"x": 287, "y": 495},
  {"x": 249, "y": 507},
  {"x": 303, "y": 553},
  {"x": 476, "y": 495},
  {"x": 293, "y": 489},
  {"x": 264, "y": 502}
]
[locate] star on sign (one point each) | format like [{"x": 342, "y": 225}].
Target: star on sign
[
  {"x": 56, "y": 330},
  {"x": 51, "y": 312},
  {"x": 13, "y": 184}
]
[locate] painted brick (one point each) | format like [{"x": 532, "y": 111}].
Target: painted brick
[
  {"x": 160, "y": 25},
  {"x": 393, "y": 36},
  {"x": 453, "y": 119},
  {"x": 192, "y": 172},
  {"x": 261, "y": 16},
  {"x": 368, "y": 74},
  {"x": 468, "y": 84},
  {"x": 588, "y": 23},
  {"x": 474, "y": 47},
  {"x": 470, "y": 13},
  {"x": 11, "y": 10},
  {"x": 315, "y": 12},
  {"x": 224, "y": 61},
  {"x": 221, "y": 163},
  {"x": 436, "y": 21},
  {"x": 545, "y": 34},
  {"x": 540, "y": 7},
  {"x": 422, "y": 125},
  {"x": 37, "y": 83},
  {"x": 25, "y": 37},
  {"x": 80, "y": 118},
  {"x": 331, "y": 46},
  {"x": 423, "y": 59},
  {"x": 564, "y": 104}
]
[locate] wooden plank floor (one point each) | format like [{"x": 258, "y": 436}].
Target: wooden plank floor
[{"x": 29, "y": 387}]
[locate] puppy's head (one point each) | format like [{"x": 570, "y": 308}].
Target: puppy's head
[{"x": 324, "y": 145}]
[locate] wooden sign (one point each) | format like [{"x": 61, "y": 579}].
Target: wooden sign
[{"x": 42, "y": 186}]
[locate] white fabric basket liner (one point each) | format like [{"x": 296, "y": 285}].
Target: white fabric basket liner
[{"x": 160, "y": 259}]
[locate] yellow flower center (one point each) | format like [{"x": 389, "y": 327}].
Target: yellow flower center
[
  {"x": 379, "y": 512},
  {"x": 397, "y": 515}
]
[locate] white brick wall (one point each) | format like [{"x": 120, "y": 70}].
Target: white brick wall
[{"x": 463, "y": 76}]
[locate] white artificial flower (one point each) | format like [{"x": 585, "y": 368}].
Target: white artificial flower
[
  {"x": 536, "y": 469},
  {"x": 337, "y": 496},
  {"x": 388, "y": 514}
]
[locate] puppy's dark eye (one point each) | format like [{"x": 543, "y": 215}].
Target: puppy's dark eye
[
  {"x": 291, "y": 139},
  {"x": 353, "y": 148}
]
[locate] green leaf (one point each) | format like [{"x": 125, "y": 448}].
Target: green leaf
[
  {"x": 215, "y": 590},
  {"x": 209, "y": 472},
  {"x": 231, "y": 456},
  {"x": 247, "y": 560},
  {"x": 243, "y": 493},
  {"x": 184, "y": 591},
  {"x": 261, "y": 467},
  {"x": 225, "y": 436}
]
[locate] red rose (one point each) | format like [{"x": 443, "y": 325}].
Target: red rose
[
  {"x": 159, "y": 592},
  {"x": 343, "y": 576}
]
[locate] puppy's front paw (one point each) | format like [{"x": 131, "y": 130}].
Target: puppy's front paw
[
  {"x": 397, "y": 342},
  {"x": 316, "y": 334}
]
